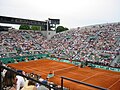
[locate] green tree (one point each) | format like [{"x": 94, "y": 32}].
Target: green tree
[
  {"x": 35, "y": 28},
  {"x": 61, "y": 29},
  {"x": 66, "y": 28},
  {"x": 24, "y": 27}
]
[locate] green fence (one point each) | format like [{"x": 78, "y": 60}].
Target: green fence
[
  {"x": 22, "y": 58},
  {"x": 39, "y": 56}
]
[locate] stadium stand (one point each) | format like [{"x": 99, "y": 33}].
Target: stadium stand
[{"x": 96, "y": 46}]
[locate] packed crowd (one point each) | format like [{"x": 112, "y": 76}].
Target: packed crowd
[
  {"x": 19, "y": 41},
  {"x": 23, "y": 40},
  {"x": 98, "y": 44},
  {"x": 92, "y": 43}
]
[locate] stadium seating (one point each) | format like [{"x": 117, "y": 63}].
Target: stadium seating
[{"x": 98, "y": 44}]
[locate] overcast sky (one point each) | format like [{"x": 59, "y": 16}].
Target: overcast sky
[{"x": 72, "y": 13}]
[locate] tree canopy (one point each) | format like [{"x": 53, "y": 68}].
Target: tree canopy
[
  {"x": 28, "y": 27},
  {"x": 35, "y": 27},
  {"x": 24, "y": 27},
  {"x": 61, "y": 29}
]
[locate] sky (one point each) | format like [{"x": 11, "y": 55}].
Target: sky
[{"x": 72, "y": 13}]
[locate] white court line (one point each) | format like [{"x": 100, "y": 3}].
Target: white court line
[
  {"x": 55, "y": 66},
  {"x": 114, "y": 83},
  {"x": 111, "y": 75},
  {"x": 63, "y": 68},
  {"x": 91, "y": 76}
]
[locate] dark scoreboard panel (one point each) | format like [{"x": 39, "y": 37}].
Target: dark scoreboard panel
[
  {"x": 54, "y": 21},
  {"x": 4, "y": 28},
  {"x": 12, "y": 20}
]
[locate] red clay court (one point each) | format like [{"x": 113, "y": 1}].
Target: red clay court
[{"x": 98, "y": 77}]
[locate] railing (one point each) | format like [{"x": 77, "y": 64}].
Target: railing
[
  {"x": 76, "y": 81},
  {"x": 9, "y": 69}
]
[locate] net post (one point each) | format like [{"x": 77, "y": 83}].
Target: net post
[{"x": 61, "y": 83}]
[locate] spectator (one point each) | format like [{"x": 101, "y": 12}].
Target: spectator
[
  {"x": 20, "y": 81},
  {"x": 9, "y": 81},
  {"x": 29, "y": 85}
]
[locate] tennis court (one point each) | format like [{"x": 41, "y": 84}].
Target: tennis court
[{"x": 98, "y": 77}]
